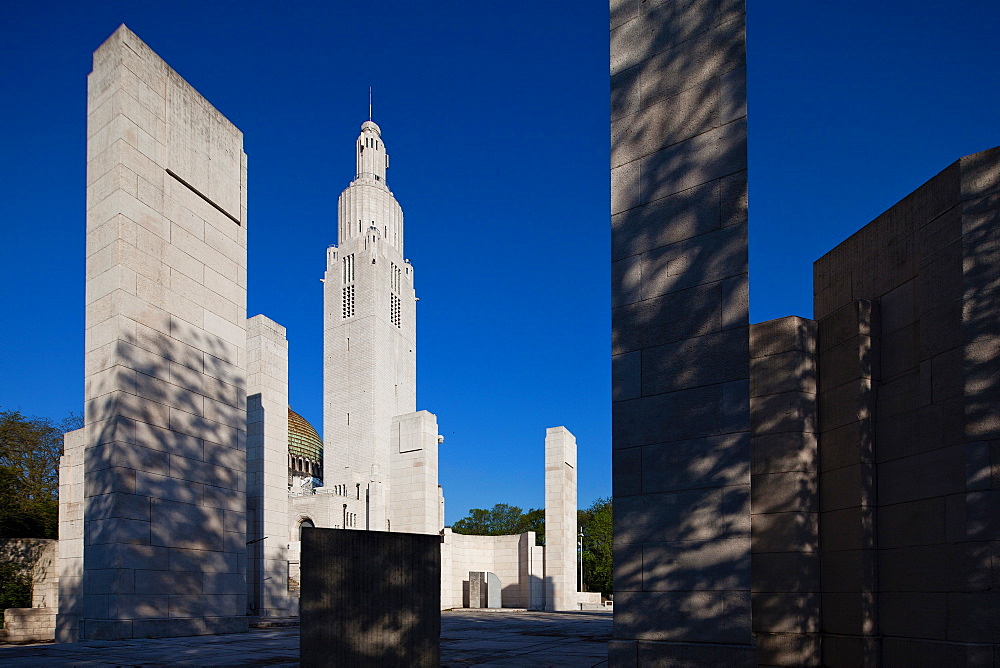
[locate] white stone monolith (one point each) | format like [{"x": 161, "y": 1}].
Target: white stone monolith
[
  {"x": 560, "y": 520},
  {"x": 165, "y": 415}
]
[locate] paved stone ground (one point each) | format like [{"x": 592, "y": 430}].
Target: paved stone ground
[
  {"x": 524, "y": 639},
  {"x": 467, "y": 639}
]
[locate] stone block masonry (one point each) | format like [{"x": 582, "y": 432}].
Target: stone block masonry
[
  {"x": 680, "y": 348},
  {"x": 267, "y": 467},
  {"x": 36, "y": 557},
  {"x": 69, "y": 554},
  {"x": 414, "y": 492},
  {"x": 164, "y": 549},
  {"x": 560, "y": 520},
  {"x": 785, "y": 555},
  {"x": 909, "y": 343}
]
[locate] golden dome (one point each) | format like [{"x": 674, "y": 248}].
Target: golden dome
[{"x": 303, "y": 441}]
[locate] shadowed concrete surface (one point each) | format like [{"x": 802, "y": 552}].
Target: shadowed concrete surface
[
  {"x": 381, "y": 609},
  {"x": 467, "y": 639}
]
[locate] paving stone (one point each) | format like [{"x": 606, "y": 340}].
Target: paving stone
[{"x": 514, "y": 639}]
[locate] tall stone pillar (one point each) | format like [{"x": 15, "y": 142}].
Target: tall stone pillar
[
  {"x": 680, "y": 349},
  {"x": 785, "y": 499},
  {"x": 560, "y": 520},
  {"x": 165, "y": 453},
  {"x": 267, "y": 467},
  {"x": 69, "y": 555}
]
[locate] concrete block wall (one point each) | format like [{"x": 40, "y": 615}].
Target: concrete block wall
[
  {"x": 267, "y": 467},
  {"x": 26, "y": 625},
  {"x": 560, "y": 520},
  {"x": 45, "y": 579},
  {"x": 69, "y": 553},
  {"x": 501, "y": 555},
  {"x": 535, "y": 561},
  {"x": 785, "y": 557},
  {"x": 39, "y": 558},
  {"x": 165, "y": 363},
  {"x": 908, "y": 338},
  {"x": 680, "y": 341},
  {"x": 414, "y": 495}
]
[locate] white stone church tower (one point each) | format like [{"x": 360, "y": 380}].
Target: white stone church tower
[{"x": 376, "y": 445}]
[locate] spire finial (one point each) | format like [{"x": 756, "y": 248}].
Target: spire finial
[{"x": 369, "y": 103}]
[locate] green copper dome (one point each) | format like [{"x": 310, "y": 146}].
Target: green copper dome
[{"x": 303, "y": 441}]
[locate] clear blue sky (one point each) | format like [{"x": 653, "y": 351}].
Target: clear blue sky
[{"x": 495, "y": 114}]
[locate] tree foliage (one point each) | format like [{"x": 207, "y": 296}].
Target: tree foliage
[
  {"x": 500, "y": 520},
  {"x": 15, "y": 586},
  {"x": 594, "y": 522},
  {"x": 30, "y": 448},
  {"x": 597, "y": 527}
]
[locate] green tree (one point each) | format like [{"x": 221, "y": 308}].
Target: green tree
[
  {"x": 500, "y": 520},
  {"x": 30, "y": 448},
  {"x": 15, "y": 586},
  {"x": 534, "y": 520},
  {"x": 503, "y": 520},
  {"x": 596, "y": 524}
]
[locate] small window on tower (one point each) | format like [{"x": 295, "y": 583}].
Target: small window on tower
[
  {"x": 348, "y": 305},
  {"x": 394, "y": 310}
]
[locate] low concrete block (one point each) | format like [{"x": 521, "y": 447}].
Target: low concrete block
[
  {"x": 370, "y": 598},
  {"x": 24, "y": 625}
]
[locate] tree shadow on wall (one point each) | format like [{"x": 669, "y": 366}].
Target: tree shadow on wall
[
  {"x": 370, "y": 598},
  {"x": 978, "y": 609},
  {"x": 165, "y": 479},
  {"x": 680, "y": 323}
]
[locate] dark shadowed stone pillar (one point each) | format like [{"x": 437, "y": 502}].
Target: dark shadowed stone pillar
[
  {"x": 680, "y": 333},
  {"x": 370, "y": 598},
  {"x": 785, "y": 565},
  {"x": 848, "y": 347}
]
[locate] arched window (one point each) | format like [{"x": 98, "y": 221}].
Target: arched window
[{"x": 305, "y": 524}]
